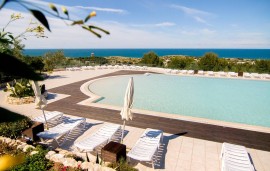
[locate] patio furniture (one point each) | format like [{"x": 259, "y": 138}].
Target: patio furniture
[
  {"x": 50, "y": 117},
  {"x": 235, "y": 157},
  {"x": 101, "y": 137},
  {"x": 62, "y": 129},
  {"x": 147, "y": 146}
]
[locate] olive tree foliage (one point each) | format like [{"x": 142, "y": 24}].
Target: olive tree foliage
[
  {"x": 151, "y": 59},
  {"x": 53, "y": 60},
  {"x": 209, "y": 62},
  {"x": 181, "y": 62},
  {"x": 262, "y": 66},
  {"x": 11, "y": 44}
]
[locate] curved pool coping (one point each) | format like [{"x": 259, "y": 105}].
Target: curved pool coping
[{"x": 93, "y": 98}]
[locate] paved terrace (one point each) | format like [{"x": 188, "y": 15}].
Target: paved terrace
[
  {"x": 251, "y": 139},
  {"x": 186, "y": 145}
]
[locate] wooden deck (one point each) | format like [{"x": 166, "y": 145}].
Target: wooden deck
[{"x": 251, "y": 139}]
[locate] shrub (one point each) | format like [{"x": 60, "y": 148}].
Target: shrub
[
  {"x": 151, "y": 59},
  {"x": 36, "y": 162},
  {"x": 53, "y": 60},
  {"x": 122, "y": 165},
  {"x": 22, "y": 88},
  {"x": 209, "y": 62},
  {"x": 181, "y": 62},
  {"x": 12, "y": 124}
]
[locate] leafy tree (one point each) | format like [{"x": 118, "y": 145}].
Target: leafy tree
[
  {"x": 11, "y": 44},
  {"x": 262, "y": 66},
  {"x": 209, "y": 62},
  {"x": 53, "y": 60},
  {"x": 181, "y": 62},
  {"x": 221, "y": 65},
  {"x": 8, "y": 62},
  {"x": 151, "y": 58},
  {"x": 37, "y": 64}
]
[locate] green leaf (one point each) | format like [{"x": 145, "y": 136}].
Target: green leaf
[
  {"x": 95, "y": 33},
  {"x": 78, "y": 22},
  {"x": 87, "y": 18},
  {"x": 53, "y": 7},
  {"x": 4, "y": 3},
  {"x": 41, "y": 18},
  {"x": 11, "y": 37},
  {"x": 12, "y": 66},
  {"x": 95, "y": 27}
]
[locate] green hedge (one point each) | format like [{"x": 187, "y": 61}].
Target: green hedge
[{"x": 12, "y": 124}]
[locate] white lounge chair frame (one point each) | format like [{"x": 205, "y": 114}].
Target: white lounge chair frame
[
  {"x": 100, "y": 138},
  {"x": 235, "y": 157},
  {"x": 50, "y": 117},
  {"x": 62, "y": 129},
  {"x": 147, "y": 146}
]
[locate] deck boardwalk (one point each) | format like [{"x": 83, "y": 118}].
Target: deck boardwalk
[{"x": 68, "y": 105}]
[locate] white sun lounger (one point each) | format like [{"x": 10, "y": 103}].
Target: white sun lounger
[
  {"x": 190, "y": 72},
  {"x": 50, "y": 117},
  {"x": 147, "y": 146},
  {"x": 200, "y": 72},
  {"x": 256, "y": 75},
  {"x": 100, "y": 138},
  {"x": 267, "y": 76},
  {"x": 247, "y": 75},
  {"x": 232, "y": 74},
  {"x": 183, "y": 71},
  {"x": 236, "y": 158},
  {"x": 222, "y": 74},
  {"x": 210, "y": 73},
  {"x": 62, "y": 129}
]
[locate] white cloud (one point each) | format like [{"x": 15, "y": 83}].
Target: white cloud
[
  {"x": 162, "y": 24},
  {"x": 207, "y": 31},
  {"x": 200, "y": 20},
  {"x": 191, "y": 11},
  {"x": 165, "y": 24},
  {"x": 127, "y": 36},
  {"x": 194, "y": 13},
  {"x": 120, "y": 11}
]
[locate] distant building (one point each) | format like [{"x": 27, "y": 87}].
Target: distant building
[{"x": 92, "y": 54}]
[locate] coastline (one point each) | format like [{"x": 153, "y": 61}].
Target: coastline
[{"x": 138, "y": 53}]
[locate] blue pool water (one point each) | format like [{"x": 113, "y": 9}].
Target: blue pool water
[{"x": 233, "y": 100}]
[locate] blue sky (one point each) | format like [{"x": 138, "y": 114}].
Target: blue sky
[{"x": 156, "y": 24}]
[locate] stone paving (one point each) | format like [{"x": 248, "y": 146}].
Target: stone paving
[{"x": 176, "y": 153}]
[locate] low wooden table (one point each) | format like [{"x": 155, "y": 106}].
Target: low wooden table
[
  {"x": 113, "y": 151},
  {"x": 32, "y": 132}
]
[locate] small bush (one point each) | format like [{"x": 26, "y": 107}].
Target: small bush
[
  {"x": 36, "y": 162},
  {"x": 12, "y": 124},
  {"x": 122, "y": 165},
  {"x": 22, "y": 88}
]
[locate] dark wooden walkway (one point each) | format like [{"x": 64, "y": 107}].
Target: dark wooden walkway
[{"x": 251, "y": 139}]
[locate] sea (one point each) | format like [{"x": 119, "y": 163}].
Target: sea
[{"x": 138, "y": 53}]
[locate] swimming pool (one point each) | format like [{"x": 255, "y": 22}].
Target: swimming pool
[{"x": 232, "y": 100}]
